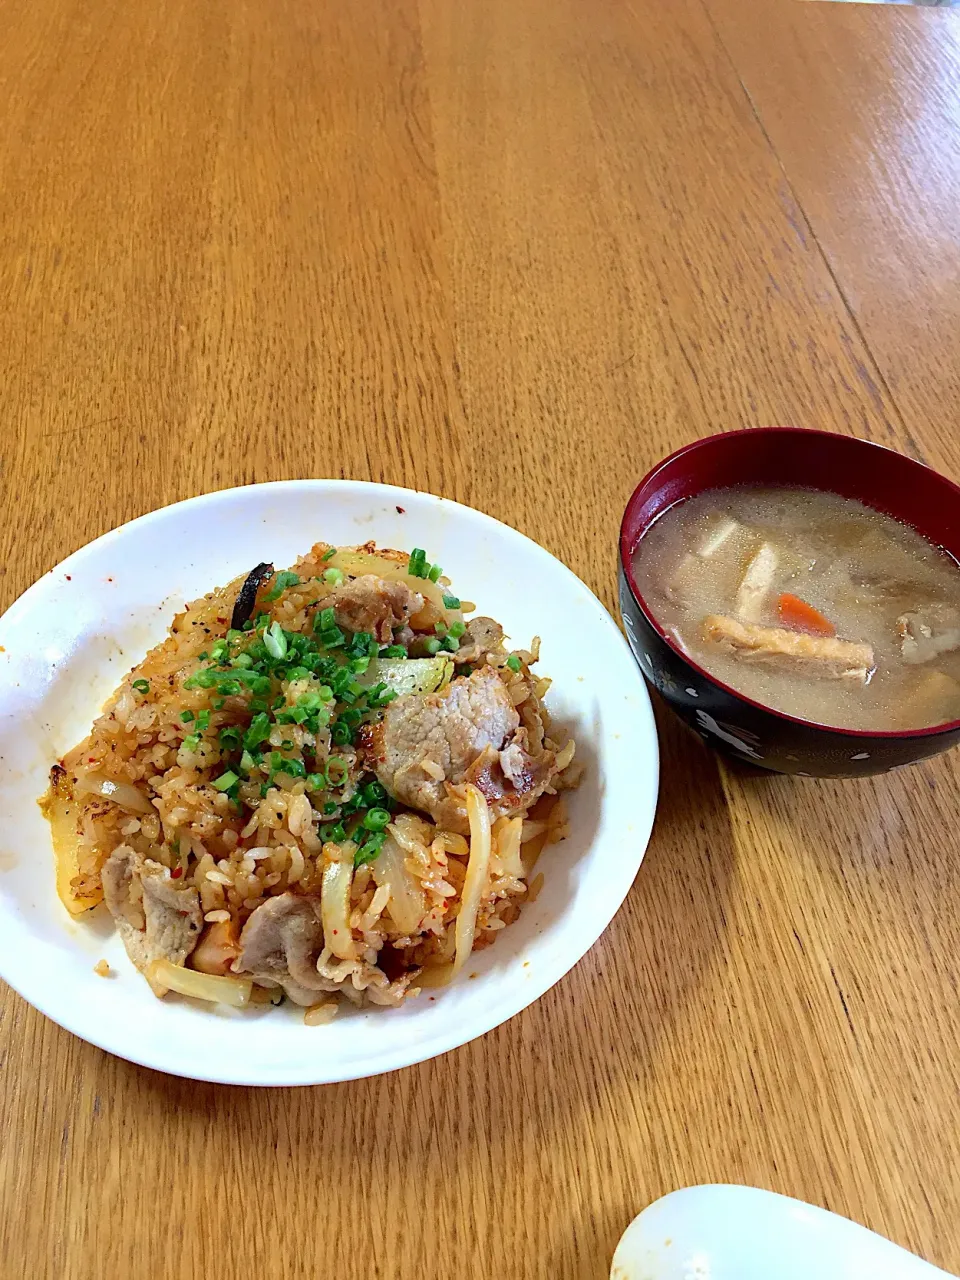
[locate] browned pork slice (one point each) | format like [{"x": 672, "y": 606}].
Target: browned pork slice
[
  {"x": 426, "y": 748},
  {"x": 820, "y": 656},
  {"x": 156, "y": 918},
  {"x": 369, "y": 603},
  {"x": 280, "y": 944},
  {"x": 482, "y": 636}
]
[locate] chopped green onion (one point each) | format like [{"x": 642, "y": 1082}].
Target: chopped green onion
[
  {"x": 327, "y": 617},
  {"x": 451, "y": 602},
  {"x": 359, "y": 665},
  {"x": 451, "y": 644},
  {"x": 192, "y": 742},
  {"x": 219, "y": 650},
  {"x": 376, "y": 820},
  {"x": 225, "y": 781},
  {"x": 202, "y": 657},
  {"x": 342, "y": 770},
  {"x": 229, "y": 688},
  {"x": 276, "y": 641},
  {"x": 333, "y": 576},
  {"x": 434, "y": 572},
  {"x": 329, "y": 808},
  {"x": 203, "y": 721},
  {"x": 432, "y": 645},
  {"x": 331, "y": 637},
  {"x": 281, "y": 583},
  {"x": 231, "y": 738},
  {"x": 374, "y": 794},
  {"x": 341, "y": 733},
  {"x": 141, "y": 686},
  {"x": 418, "y": 563},
  {"x": 247, "y": 762},
  {"x": 513, "y": 662},
  {"x": 333, "y": 831},
  {"x": 393, "y": 651},
  {"x": 369, "y": 849},
  {"x": 293, "y": 768},
  {"x": 258, "y": 732},
  {"x": 457, "y": 629},
  {"x": 242, "y": 660},
  {"x": 328, "y": 555},
  {"x": 316, "y": 782},
  {"x": 186, "y": 716}
]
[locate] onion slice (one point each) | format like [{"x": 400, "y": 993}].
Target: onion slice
[
  {"x": 335, "y": 899},
  {"x": 202, "y": 986},
  {"x": 406, "y": 904},
  {"x": 478, "y": 868},
  {"x": 125, "y": 794}
]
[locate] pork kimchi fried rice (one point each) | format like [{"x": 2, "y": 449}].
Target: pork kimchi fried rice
[{"x": 325, "y": 782}]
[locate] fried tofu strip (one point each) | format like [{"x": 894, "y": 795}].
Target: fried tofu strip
[{"x": 824, "y": 657}]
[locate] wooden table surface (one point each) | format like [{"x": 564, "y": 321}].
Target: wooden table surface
[{"x": 511, "y": 251}]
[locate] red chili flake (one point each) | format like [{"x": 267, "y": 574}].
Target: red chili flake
[
  {"x": 402, "y": 511},
  {"x": 176, "y": 873},
  {"x": 109, "y": 579},
  {"x": 91, "y": 759},
  {"x": 68, "y": 578}
]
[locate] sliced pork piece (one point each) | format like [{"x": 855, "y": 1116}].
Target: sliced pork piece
[
  {"x": 482, "y": 636},
  {"x": 756, "y": 583},
  {"x": 821, "y": 656},
  {"x": 280, "y": 944},
  {"x": 160, "y": 922},
  {"x": 426, "y": 748},
  {"x": 924, "y": 637},
  {"x": 372, "y": 604}
]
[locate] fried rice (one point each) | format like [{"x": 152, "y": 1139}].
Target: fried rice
[{"x": 324, "y": 783}]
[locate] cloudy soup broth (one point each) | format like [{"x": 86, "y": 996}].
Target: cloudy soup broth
[{"x": 809, "y": 603}]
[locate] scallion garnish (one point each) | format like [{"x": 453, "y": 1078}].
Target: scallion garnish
[
  {"x": 334, "y": 577},
  {"x": 225, "y": 781},
  {"x": 281, "y": 583},
  {"x": 203, "y": 721},
  {"x": 393, "y": 651},
  {"x": 259, "y": 731},
  {"x": 276, "y": 641},
  {"x": 376, "y": 820},
  {"x": 141, "y": 686},
  {"x": 451, "y": 602},
  {"x": 328, "y": 555},
  {"x": 457, "y": 629},
  {"x": 369, "y": 849},
  {"x": 432, "y": 645},
  {"x": 186, "y": 716},
  {"x": 434, "y": 572},
  {"x": 513, "y": 662}
]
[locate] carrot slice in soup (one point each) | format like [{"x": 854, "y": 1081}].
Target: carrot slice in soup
[{"x": 800, "y": 616}]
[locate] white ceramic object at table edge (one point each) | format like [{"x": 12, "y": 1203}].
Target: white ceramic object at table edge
[{"x": 742, "y": 1233}]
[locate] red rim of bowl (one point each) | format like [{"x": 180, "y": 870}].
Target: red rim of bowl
[{"x": 626, "y": 564}]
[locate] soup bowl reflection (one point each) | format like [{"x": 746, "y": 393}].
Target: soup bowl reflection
[{"x": 730, "y": 721}]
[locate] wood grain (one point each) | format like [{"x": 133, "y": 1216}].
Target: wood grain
[{"x": 512, "y": 252}]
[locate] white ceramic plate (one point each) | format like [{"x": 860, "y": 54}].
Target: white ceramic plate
[{"x": 68, "y": 641}]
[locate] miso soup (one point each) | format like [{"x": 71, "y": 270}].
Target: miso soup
[{"x": 809, "y": 603}]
